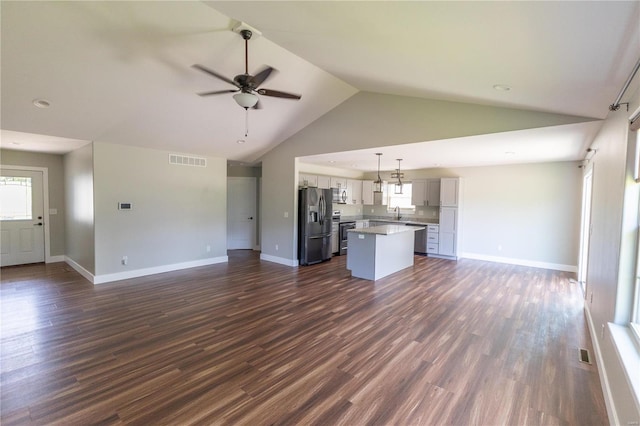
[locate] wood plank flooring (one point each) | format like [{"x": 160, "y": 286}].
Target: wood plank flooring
[{"x": 256, "y": 343}]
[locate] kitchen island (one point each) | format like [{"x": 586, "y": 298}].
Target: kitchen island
[{"x": 378, "y": 251}]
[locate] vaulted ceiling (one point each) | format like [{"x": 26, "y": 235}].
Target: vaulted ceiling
[{"x": 120, "y": 72}]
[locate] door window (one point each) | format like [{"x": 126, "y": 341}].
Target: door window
[{"x": 15, "y": 198}]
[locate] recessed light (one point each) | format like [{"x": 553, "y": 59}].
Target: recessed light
[
  {"x": 240, "y": 141},
  {"x": 501, "y": 87},
  {"x": 510, "y": 153},
  {"x": 41, "y": 103},
  {"x": 332, "y": 161}
]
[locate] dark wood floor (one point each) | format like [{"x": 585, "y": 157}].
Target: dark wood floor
[{"x": 252, "y": 342}]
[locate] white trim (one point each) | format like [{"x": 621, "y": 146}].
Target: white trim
[
  {"x": 106, "y": 278},
  {"x": 521, "y": 262},
  {"x": 629, "y": 357},
  {"x": 602, "y": 372},
  {"x": 280, "y": 260},
  {"x": 54, "y": 259},
  {"x": 80, "y": 269},
  {"x": 45, "y": 203}
]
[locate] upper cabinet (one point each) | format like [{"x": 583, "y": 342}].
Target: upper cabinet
[
  {"x": 340, "y": 183},
  {"x": 354, "y": 191},
  {"x": 449, "y": 192},
  {"x": 418, "y": 192},
  {"x": 425, "y": 192},
  {"x": 367, "y": 192},
  {"x": 306, "y": 180},
  {"x": 324, "y": 182}
]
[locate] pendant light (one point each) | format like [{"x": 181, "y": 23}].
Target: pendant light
[
  {"x": 399, "y": 176},
  {"x": 378, "y": 182}
]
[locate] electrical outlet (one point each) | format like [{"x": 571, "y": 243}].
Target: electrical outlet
[
  {"x": 276, "y": 247},
  {"x": 499, "y": 247},
  {"x": 286, "y": 214},
  {"x": 371, "y": 210},
  {"x": 208, "y": 248},
  {"x": 125, "y": 260}
]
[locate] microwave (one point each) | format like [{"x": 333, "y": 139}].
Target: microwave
[{"x": 339, "y": 196}]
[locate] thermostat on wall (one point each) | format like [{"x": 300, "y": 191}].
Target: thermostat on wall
[{"x": 125, "y": 206}]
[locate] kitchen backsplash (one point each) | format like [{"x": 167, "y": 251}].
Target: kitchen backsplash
[{"x": 381, "y": 211}]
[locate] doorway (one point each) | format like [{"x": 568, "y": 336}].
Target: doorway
[
  {"x": 22, "y": 219},
  {"x": 241, "y": 213},
  {"x": 585, "y": 230}
]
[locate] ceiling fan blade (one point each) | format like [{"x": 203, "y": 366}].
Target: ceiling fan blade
[
  {"x": 262, "y": 76},
  {"x": 278, "y": 94},
  {"x": 213, "y": 73},
  {"x": 218, "y": 92}
]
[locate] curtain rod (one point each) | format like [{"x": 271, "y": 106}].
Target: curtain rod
[{"x": 616, "y": 104}]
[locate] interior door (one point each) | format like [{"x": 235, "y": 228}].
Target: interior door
[
  {"x": 21, "y": 217},
  {"x": 241, "y": 212}
]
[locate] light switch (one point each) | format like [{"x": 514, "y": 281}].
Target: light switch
[
  {"x": 286, "y": 214},
  {"x": 53, "y": 211}
]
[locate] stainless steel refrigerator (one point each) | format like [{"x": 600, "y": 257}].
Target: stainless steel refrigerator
[{"x": 314, "y": 225}]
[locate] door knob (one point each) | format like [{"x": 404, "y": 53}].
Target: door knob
[{"x": 251, "y": 218}]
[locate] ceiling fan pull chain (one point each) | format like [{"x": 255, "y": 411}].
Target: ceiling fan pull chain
[{"x": 246, "y": 122}]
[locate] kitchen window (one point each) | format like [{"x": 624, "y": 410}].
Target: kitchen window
[{"x": 399, "y": 200}]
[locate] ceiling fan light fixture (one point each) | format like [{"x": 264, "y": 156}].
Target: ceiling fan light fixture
[{"x": 246, "y": 100}]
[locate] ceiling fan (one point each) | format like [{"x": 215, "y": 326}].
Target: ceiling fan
[{"x": 247, "y": 85}]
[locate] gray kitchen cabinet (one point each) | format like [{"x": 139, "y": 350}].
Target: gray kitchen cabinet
[
  {"x": 448, "y": 229},
  {"x": 425, "y": 192},
  {"x": 418, "y": 192},
  {"x": 449, "y": 188},
  {"x": 433, "y": 239}
]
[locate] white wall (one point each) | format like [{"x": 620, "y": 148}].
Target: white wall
[
  {"x": 524, "y": 214},
  {"x": 177, "y": 211},
  {"x": 79, "y": 212}
]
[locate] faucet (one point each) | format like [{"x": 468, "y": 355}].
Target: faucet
[{"x": 397, "y": 210}]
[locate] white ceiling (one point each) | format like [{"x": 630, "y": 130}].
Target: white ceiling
[{"x": 120, "y": 72}]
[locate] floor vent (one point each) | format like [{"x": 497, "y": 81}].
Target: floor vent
[
  {"x": 584, "y": 356},
  {"x": 184, "y": 160}
]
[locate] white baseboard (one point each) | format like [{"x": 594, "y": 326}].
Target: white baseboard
[
  {"x": 80, "y": 269},
  {"x": 521, "y": 262},
  {"x": 107, "y": 278},
  {"x": 602, "y": 372},
  {"x": 280, "y": 260},
  {"x": 54, "y": 259}
]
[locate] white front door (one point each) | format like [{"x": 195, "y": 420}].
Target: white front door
[
  {"x": 21, "y": 217},
  {"x": 241, "y": 212}
]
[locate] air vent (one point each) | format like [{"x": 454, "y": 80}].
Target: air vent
[
  {"x": 184, "y": 160},
  {"x": 584, "y": 356}
]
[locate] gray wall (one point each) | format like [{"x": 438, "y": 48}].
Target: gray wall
[
  {"x": 79, "y": 217},
  {"x": 607, "y": 281},
  {"x": 371, "y": 120},
  {"x": 177, "y": 210},
  {"x": 54, "y": 164}
]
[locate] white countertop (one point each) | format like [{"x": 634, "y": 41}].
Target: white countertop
[{"x": 386, "y": 229}]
